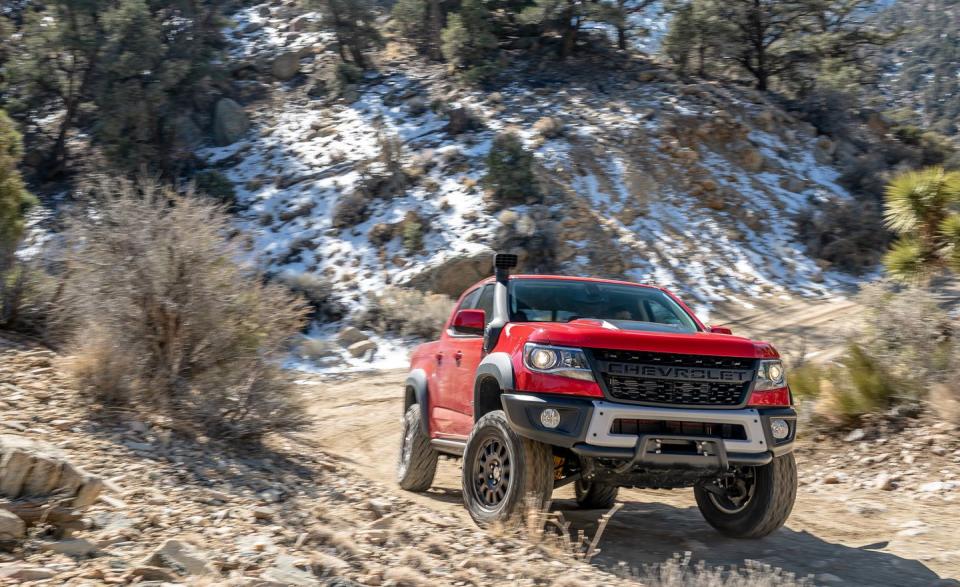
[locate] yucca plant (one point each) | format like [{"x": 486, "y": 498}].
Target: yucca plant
[{"x": 923, "y": 208}]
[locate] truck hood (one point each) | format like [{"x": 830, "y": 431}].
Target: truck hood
[{"x": 623, "y": 335}]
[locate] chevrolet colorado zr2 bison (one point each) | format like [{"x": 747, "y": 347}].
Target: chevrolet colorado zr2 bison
[{"x": 541, "y": 381}]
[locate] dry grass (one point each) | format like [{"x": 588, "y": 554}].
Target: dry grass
[
  {"x": 389, "y": 311},
  {"x": 159, "y": 312},
  {"x": 407, "y": 577},
  {"x": 680, "y": 572}
]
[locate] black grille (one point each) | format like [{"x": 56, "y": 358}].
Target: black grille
[
  {"x": 674, "y": 359},
  {"x": 667, "y": 428},
  {"x": 674, "y": 390}
]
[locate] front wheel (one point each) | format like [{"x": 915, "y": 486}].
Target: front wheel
[
  {"x": 593, "y": 495},
  {"x": 753, "y": 502},
  {"x": 504, "y": 475},
  {"x": 417, "y": 463}
]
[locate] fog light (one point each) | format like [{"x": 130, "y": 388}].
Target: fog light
[
  {"x": 779, "y": 428},
  {"x": 550, "y": 418}
]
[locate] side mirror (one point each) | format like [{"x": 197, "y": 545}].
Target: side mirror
[
  {"x": 720, "y": 330},
  {"x": 469, "y": 322}
]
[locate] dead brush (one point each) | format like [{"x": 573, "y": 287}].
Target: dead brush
[
  {"x": 407, "y": 577},
  {"x": 680, "y": 572},
  {"x": 552, "y": 532}
]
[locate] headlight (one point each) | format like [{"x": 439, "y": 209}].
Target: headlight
[
  {"x": 563, "y": 361},
  {"x": 770, "y": 375}
]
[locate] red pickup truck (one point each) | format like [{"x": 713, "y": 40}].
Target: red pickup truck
[{"x": 541, "y": 381}]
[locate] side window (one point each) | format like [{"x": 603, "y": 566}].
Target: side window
[
  {"x": 485, "y": 302},
  {"x": 470, "y": 300}
]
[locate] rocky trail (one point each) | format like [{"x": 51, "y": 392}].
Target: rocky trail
[
  {"x": 321, "y": 507},
  {"x": 175, "y": 510},
  {"x": 876, "y": 508}
]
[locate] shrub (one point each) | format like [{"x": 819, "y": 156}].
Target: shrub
[
  {"x": 25, "y": 293},
  {"x": 161, "y": 314},
  {"x": 216, "y": 185},
  {"x": 510, "y": 176},
  {"x": 847, "y": 234},
  {"x": 390, "y": 312},
  {"x": 350, "y": 210},
  {"x": 548, "y": 127},
  {"x": 317, "y": 290},
  {"x": 14, "y": 197},
  {"x": 413, "y": 229}
]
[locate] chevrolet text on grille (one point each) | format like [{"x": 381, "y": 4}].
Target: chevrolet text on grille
[{"x": 685, "y": 373}]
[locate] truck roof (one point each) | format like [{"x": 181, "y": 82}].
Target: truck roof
[{"x": 569, "y": 278}]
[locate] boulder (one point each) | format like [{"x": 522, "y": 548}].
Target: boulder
[
  {"x": 71, "y": 547},
  {"x": 180, "y": 556},
  {"x": 454, "y": 275},
  {"x": 359, "y": 349},
  {"x": 11, "y": 526},
  {"x": 230, "y": 122},
  {"x": 285, "y": 66},
  {"x": 350, "y": 335}
]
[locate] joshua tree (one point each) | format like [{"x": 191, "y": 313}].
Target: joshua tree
[{"x": 923, "y": 209}]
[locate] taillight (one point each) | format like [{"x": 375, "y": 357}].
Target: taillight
[{"x": 770, "y": 397}]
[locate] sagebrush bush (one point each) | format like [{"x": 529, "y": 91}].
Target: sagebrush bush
[
  {"x": 407, "y": 312},
  {"x": 350, "y": 210},
  {"x": 510, "y": 177},
  {"x": 25, "y": 293},
  {"x": 216, "y": 185},
  {"x": 159, "y": 312},
  {"x": 906, "y": 346},
  {"x": 317, "y": 290}
]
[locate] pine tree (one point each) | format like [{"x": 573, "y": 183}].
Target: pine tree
[
  {"x": 468, "y": 39},
  {"x": 923, "y": 208},
  {"x": 566, "y": 17},
  {"x": 353, "y": 23},
  {"x": 692, "y": 35},
  {"x": 617, "y": 13},
  {"x": 57, "y": 65},
  {"x": 131, "y": 89},
  {"x": 14, "y": 197}
]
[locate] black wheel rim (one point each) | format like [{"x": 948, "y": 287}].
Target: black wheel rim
[
  {"x": 736, "y": 491},
  {"x": 492, "y": 473}
]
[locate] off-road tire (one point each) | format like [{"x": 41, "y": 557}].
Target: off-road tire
[
  {"x": 774, "y": 493},
  {"x": 416, "y": 463},
  {"x": 593, "y": 495},
  {"x": 530, "y": 484}
]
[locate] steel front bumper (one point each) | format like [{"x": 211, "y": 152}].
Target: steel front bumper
[{"x": 586, "y": 428}]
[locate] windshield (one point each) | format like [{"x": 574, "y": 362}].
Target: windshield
[{"x": 626, "y": 306}]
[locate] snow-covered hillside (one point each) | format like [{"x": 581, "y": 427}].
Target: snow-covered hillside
[{"x": 693, "y": 186}]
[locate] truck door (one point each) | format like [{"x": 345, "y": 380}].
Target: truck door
[
  {"x": 446, "y": 417},
  {"x": 467, "y": 354}
]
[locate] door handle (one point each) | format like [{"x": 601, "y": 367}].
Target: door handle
[{"x": 458, "y": 356}]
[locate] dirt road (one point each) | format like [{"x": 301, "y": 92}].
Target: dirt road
[{"x": 840, "y": 533}]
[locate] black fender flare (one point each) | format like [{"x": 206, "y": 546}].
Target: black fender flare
[
  {"x": 417, "y": 382},
  {"x": 496, "y": 366}
]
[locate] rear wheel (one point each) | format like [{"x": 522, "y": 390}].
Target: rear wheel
[
  {"x": 593, "y": 495},
  {"x": 504, "y": 474},
  {"x": 753, "y": 502},
  {"x": 417, "y": 463}
]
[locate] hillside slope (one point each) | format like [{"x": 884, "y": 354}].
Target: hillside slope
[{"x": 693, "y": 186}]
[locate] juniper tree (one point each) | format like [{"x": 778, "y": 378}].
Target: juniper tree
[
  {"x": 468, "y": 39},
  {"x": 353, "y": 23},
  {"x": 14, "y": 197}
]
